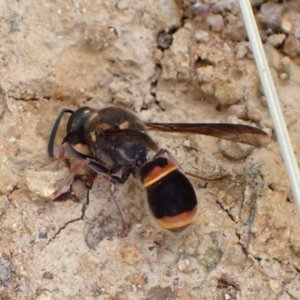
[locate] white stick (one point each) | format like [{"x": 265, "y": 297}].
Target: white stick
[{"x": 272, "y": 99}]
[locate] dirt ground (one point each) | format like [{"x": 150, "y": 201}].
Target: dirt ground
[{"x": 166, "y": 61}]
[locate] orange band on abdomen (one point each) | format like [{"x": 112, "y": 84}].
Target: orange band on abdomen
[
  {"x": 181, "y": 221},
  {"x": 157, "y": 173}
]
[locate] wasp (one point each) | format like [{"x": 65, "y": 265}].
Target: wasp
[{"x": 114, "y": 142}]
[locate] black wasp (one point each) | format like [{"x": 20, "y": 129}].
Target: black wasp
[{"x": 114, "y": 142}]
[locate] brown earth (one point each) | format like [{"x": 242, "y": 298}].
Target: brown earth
[{"x": 245, "y": 243}]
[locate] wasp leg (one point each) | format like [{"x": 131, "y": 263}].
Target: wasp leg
[
  {"x": 84, "y": 160},
  {"x": 65, "y": 151},
  {"x": 69, "y": 178},
  {"x": 114, "y": 181},
  {"x": 90, "y": 179},
  {"x": 62, "y": 153},
  {"x": 125, "y": 226},
  {"x": 126, "y": 173},
  {"x": 61, "y": 158},
  {"x": 97, "y": 168}
]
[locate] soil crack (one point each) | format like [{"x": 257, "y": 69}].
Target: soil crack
[{"x": 81, "y": 218}]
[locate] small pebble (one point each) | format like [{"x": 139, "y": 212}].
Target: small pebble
[
  {"x": 164, "y": 40},
  {"x": 187, "y": 262},
  {"x": 5, "y": 270},
  {"x": 216, "y": 22},
  {"x": 226, "y": 297},
  {"x": 238, "y": 110},
  {"x": 130, "y": 254},
  {"x": 235, "y": 150},
  {"x": 12, "y": 140},
  {"x": 288, "y": 19},
  {"x": 242, "y": 49},
  {"x": 44, "y": 295},
  {"x": 275, "y": 286},
  {"x": 187, "y": 143},
  {"x": 276, "y": 39},
  {"x": 283, "y": 76},
  {"x": 201, "y": 36},
  {"x": 181, "y": 264},
  {"x": 272, "y": 14}
]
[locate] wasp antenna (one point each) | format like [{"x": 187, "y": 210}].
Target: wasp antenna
[
  {"x": 54, "y": 130},
  {"x": 207, "y": 179}
]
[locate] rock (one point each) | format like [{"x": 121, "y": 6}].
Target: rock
[
  {"x": 276, "y": 39},
  {"x": 234, "y": 29},
  {"x": 3, "y": 204},
  {"x": 290, "y": 23},
  {"x": 234, "y": 150},
  {"x": 228, "y": 94},
  {"x": 216, "y": 22},
  {"x": 99, "y": 36},
  {"x": 272, "y": 14},
  {"x": 138, "y": 280},
  {"x": 256, "y": 2},
  {"x": 42, "y": 183},
  {"x": 130, "y": 254},
  {"x": 242, "y": 49},
  {"x": 176, "y": 60},
  {"x": 238, "y": 110},
  {"x": 288, "y": 20},
  {"x": 44, "y": 295},
  {"x": 158, "y": 293},
  {"x": 201, "y": 36},
  {"x": 164, "y": 40},
  {"x": 292, "y": 287},
  {"x": 5, "y": 271}
]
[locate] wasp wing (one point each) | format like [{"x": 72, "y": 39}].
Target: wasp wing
[
  {"x": 131, "y": 135},
  {"x": 234, "y": 132}
]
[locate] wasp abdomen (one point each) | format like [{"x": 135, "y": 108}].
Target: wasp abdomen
[{"x": 171, "y": 196}]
